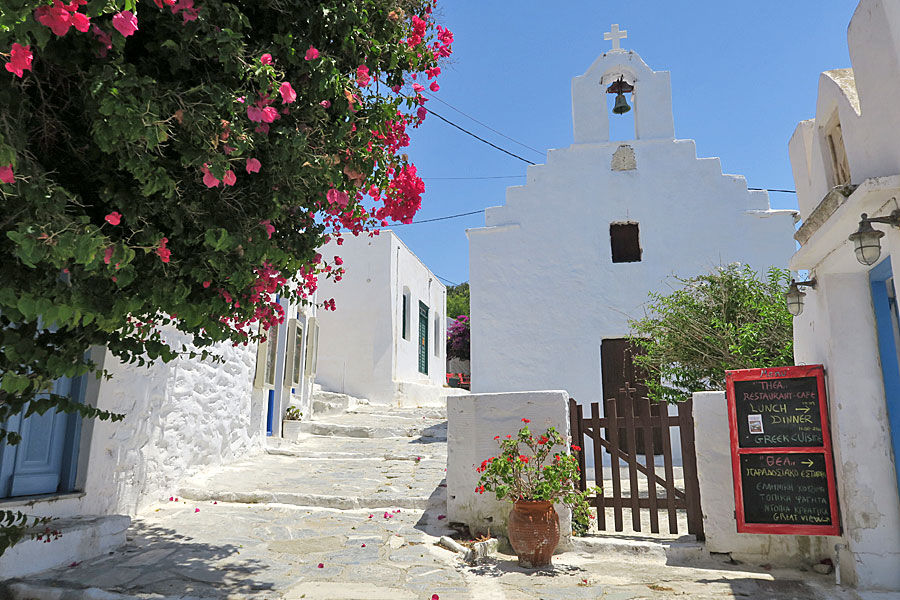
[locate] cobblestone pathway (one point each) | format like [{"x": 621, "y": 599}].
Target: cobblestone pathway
[{"x": 335, "y": 517}]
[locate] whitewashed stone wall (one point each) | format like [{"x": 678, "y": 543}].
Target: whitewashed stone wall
[
  {"x": 180, "y": 417},
  {"x": 838, "y": 326},
  {"x": 473, "y": 421}
]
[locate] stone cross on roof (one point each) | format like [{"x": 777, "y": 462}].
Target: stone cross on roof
[{"x": 616, "y": 36}]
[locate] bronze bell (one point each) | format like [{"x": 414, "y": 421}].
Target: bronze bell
[
  {"x": 620, "y": 87},
  {"x": 621, "y": 106}
]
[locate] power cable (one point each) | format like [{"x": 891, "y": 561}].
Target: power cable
[
  {"x": 771, "y": 190},
  {"x": 481, "y": 139},
  {"x": 501, "y": 134},
  {"x": 474, "y": 212},
  {"x": 483, "y": 177}
]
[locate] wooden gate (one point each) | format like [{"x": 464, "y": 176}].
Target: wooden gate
[{"x": 605, "y": 432}]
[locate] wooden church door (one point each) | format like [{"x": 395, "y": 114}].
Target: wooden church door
[
  {"x": 43, "y": 462},
  {"x": 618, "y": 368}
]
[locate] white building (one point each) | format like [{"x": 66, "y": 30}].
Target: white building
[
  {"x": 180, "y": 417},
  {"x": 557, "y": 271},
  {"x": 387, "y": 339},
  {"x": 846, "y": 162}
]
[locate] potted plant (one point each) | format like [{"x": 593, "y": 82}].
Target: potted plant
[
  {"x": 533, "y": 473},
  {"x": 290, "y": 425}
]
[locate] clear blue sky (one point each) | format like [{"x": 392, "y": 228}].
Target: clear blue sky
[{"x": 743, "y": 75}]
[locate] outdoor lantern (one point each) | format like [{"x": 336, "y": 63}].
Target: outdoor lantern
[
  {"x": 867, "y": 240},
  {"x": 620, "y": 87},
  {"x": 794, "y": 297}
]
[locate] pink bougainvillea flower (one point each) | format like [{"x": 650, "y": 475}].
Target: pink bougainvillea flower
[
  {"x": 311, "y": 54},
  {"x": 434, "y": 86},
  {"x": 325, "y": 103},
  {"x": 288, "y": 94},
  {"x": 196, "y": 510},
  {"x": 113, "y": 218},
  {"x": 206, "y": 283},
  {"x": 102, "y": 37},
  {"x": 164, "y": 255},
  {"x": 57, "y": 17},
  {"x": 229, "y": 178},
  {"x": 395, "y": 89},
  {"x": 321, "y": 566},
  {"x": 227, "y": 149},
  {"x": 418, "y": 87},
  {"x": 362, "y": 75},
  {"x": 262, "y": 128},
  {"x": 254, "y": 113},
  {"x": 433, "y": 72},
  {"x": 266, "y": 59},
  {"x": 435, "y": 597},
  {"x": 421, "y": 112},
  {"x": 7, "y": 175},
  {"x": 336, "y": 197},
  {"x": 19, "y": 59},
  {"x": 339, "y": 261},
  {"x": 160, "y": 3},
  {"x": 125, "y": 23},
  {"x": 253, "y": 165},
  {"x": 270, "y": 229},
  {"x": 107, "y": 255},
  {"x": 209, "y": 179},
  {"x": 270, "y": 114},
  {"x": 81, "y": 21},
  {"x": 186, "y": 7}
]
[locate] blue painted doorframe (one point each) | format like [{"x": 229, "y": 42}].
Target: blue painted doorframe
[{"x": 887, "y": 319}]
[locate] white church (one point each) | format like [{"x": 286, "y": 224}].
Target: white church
[{"x": 558, "y": 270}]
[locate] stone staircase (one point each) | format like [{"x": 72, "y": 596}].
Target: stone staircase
[{"x": 331, "y": 403}]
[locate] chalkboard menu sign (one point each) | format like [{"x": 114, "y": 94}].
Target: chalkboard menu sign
[{"x": 781, "y": 451}]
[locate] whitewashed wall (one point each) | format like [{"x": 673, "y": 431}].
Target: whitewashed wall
[
  {"x": 472, "y": 423},
  {"x": 549, "y": 245},
  {"x": 838, "y": 327},
  {"x": 361, "y": 348},
  {"x": 180, "y": 417}
]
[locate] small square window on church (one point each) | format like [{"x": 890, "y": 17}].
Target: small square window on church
[{"x": 625, "y": 242}]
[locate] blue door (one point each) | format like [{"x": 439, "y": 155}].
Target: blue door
[
  {"x": 887, "y": 318},
  {"x": 43, "y": 462}
]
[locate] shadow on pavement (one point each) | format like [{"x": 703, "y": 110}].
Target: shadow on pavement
[{"x": 157, "y": 560}]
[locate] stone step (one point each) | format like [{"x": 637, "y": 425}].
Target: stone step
[
  {"x": 331, "y": 429},
  {"x": 79, "y": 539},
  {"x": 315, "y": 500},
  {"x": 685, "y": 548},
  {"x": 330, "y": 403}
]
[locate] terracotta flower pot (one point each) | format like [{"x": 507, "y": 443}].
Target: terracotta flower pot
[{"x": 533, "y": 532}]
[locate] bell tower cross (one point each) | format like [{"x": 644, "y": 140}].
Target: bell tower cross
[{"x": 616, "y": 36}]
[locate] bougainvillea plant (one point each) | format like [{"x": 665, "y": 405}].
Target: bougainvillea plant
[
  {"x": 537, "y": 468},
  {"x": 176, "y": 163},
  {"x": 458, "y": 338}
]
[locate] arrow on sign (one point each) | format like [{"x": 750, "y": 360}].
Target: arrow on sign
[
  {"x": 807, "y": 462},
  {"x": 803, "y": 409}
]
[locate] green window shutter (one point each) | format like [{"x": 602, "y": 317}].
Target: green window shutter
[
  {"x": 423, "y": 338},
  {"x": 405, "y": 315}
]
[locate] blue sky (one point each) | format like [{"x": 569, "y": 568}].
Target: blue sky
[{"x": 743, "y": 75}]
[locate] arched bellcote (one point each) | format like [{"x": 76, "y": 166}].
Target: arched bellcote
[{"x": 651, "y": 99}]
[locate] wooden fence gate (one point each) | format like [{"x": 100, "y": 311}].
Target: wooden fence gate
[{"x": 639, "y": 418}]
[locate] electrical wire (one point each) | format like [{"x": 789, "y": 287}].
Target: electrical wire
[
  {"x": 486, "y": 126},
  {"x": 474, "y": 212},
  {"x": 481, "y": 139}
]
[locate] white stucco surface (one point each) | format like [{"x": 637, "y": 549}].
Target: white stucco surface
[
  {"x": 549, "y": 245},
  {"x": 838, "y": 327},
  {"x": 718, "y": 503},
  {"x": 362, "y": 351},
  {"x": 472, "y": 423},
  {"x": 179, "y": 417}
]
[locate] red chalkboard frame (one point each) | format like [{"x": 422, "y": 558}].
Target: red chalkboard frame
[{"x": 769, "y": 374}]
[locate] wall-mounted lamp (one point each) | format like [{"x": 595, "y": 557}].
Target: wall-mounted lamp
[
  {"x": 794, "y": 297},
  {"x": 620, "y": 87},
  {"x": 867, "y": 240}
]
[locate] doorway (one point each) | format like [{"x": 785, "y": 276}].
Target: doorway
[
  {"x": 618, "y": 369},
  {"x": 45, "y": 459}
]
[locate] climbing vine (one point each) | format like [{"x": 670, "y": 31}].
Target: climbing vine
[{"x": 177, "y": 163}]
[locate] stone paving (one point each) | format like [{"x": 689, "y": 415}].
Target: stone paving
[{"x": 214, "y": 543}]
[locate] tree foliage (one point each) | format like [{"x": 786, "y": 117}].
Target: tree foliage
[
  {"x": 172, "y": 163},
  {"x": 458, "y": 300},
  {"x": 728, "y": 319}
]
